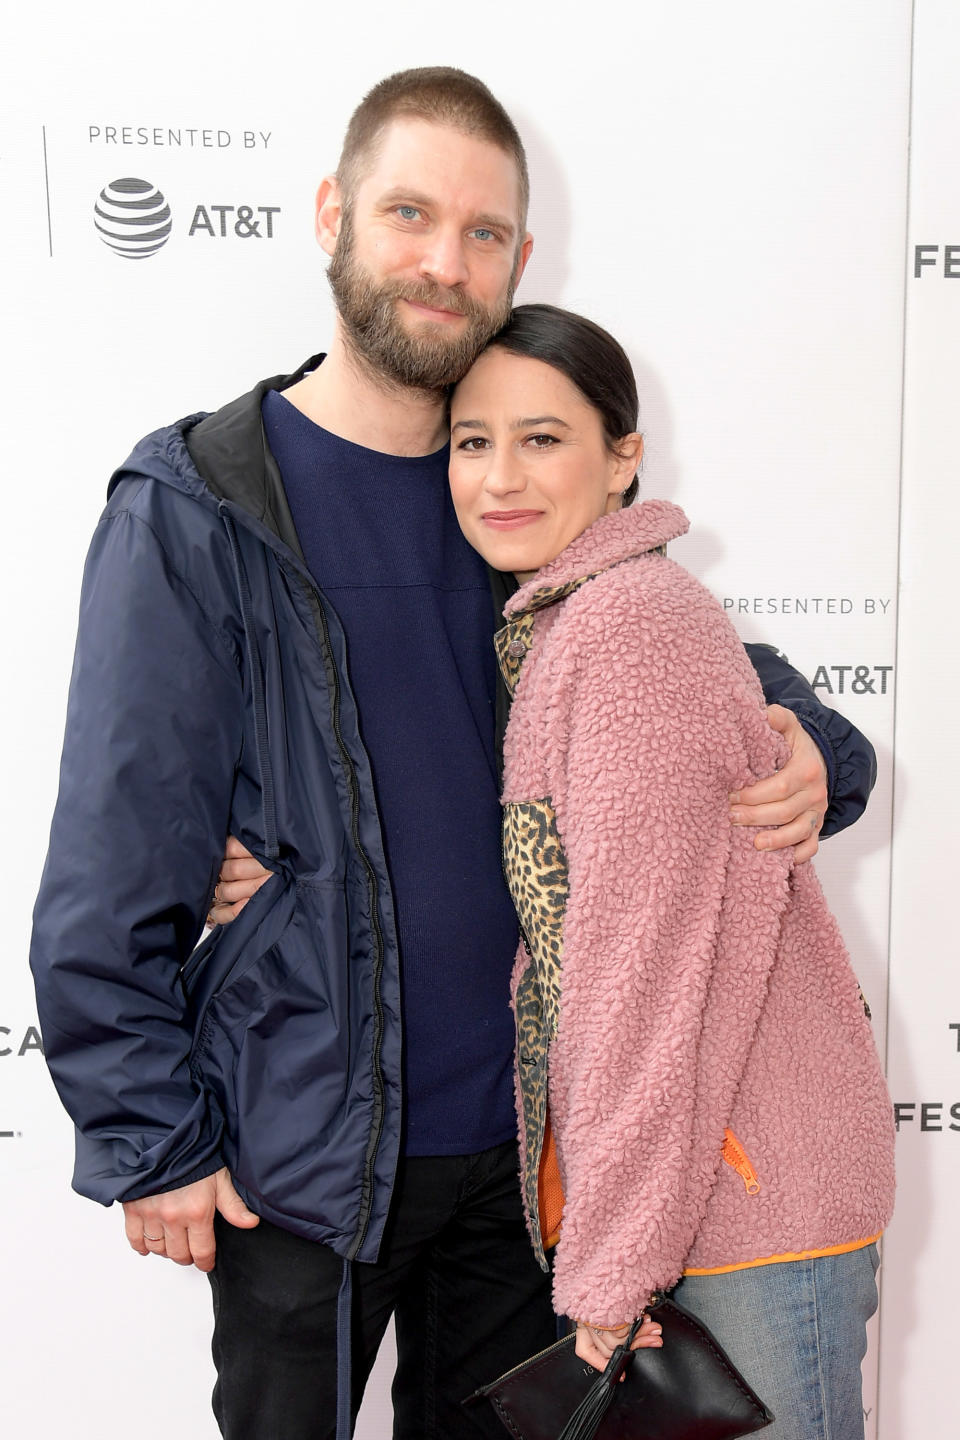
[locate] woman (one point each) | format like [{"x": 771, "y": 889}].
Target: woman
[
  {"x": 695, "y": 1064},
  {"x": 700, "y": 1098}
]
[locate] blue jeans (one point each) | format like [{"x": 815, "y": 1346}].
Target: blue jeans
[{"x": 797, "y": 1333}]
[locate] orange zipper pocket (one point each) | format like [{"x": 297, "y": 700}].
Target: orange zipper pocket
[{"x": 736, "y": 1157}]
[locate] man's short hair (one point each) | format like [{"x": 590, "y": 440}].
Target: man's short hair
[{"x": 441, "y": 95}]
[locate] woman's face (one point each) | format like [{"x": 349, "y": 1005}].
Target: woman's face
[{"x": 529, "y": 465}]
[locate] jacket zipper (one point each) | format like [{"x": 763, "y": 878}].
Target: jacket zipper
[
  {"x": 373, "y": 891},
  {"x": 366, "y": 1204},
  {"x": 736, "y": 1157}
]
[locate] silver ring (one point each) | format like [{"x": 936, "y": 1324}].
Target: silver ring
[{"x": 154, "y": 1239}]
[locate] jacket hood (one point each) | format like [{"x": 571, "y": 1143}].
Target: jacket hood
[
  {"x": 608, "y": 541},
  {"x": 163, "y": 456},
  {"x": 222, "y": 457}
]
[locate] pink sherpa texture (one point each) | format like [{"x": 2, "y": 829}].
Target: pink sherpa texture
[{"x": 705, "y": 984}]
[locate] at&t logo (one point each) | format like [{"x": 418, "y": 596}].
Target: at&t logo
[
  {"x": 133, "y": 218},
  {"x": 852, "y": 679}
]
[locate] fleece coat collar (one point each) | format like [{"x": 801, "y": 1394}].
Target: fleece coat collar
[{"x": 608, "y": 541}]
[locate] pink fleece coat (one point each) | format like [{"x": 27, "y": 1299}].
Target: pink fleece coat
[{"x": 704, "y": 983}]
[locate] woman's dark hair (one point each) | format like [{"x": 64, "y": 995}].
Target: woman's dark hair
[{"x": 588, "y": 356}]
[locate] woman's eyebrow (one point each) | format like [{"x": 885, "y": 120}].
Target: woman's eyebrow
[{"x": 522, "y": 422}]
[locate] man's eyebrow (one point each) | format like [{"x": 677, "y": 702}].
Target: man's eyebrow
[
  {"x": 495, "y": 222},
  {"x": 410, "y": 197},
  {"x": 399, "y": 196}
]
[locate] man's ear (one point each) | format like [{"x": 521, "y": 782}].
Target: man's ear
[
  {"x": 526, "y": 248},
  {"x": 328, "y": 213}
]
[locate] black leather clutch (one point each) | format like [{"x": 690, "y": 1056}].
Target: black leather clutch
[{"x": 688, "y": 1390}]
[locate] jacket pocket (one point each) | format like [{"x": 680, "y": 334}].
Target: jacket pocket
[
  {"x": 736, "y": 1157},
  {"x": 210, "y": 967},
  {"x": 274, "y": 1046}
]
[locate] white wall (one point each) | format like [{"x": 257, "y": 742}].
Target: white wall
[
  {"x": 919, "y": 1331},
  {"x": 726, "y": 188}
]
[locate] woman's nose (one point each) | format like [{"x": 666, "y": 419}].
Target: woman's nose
[{"x": 504, "y": 474}]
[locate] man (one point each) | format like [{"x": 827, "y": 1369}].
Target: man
[{"x": 283, "y": 636}]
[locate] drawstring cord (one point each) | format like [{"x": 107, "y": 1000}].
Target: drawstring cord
[
  {"x": 344, "y": 1378},
  {"x": 257, "y": 687}
]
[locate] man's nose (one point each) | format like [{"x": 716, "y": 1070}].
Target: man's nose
[{"x": 444, "y": 259}]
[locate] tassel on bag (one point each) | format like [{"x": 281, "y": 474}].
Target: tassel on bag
[{"x": 585, "y": 1420}]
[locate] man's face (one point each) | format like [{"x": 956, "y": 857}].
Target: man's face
[{"x": 428, "y": 253}]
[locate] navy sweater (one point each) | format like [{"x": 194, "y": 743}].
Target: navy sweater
[{"x": 382, "y": 542}]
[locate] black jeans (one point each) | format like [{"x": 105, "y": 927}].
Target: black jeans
[{"x": 456, "y": 1270}]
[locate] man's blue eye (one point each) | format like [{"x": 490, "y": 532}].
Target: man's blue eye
[
  {"x": 482, "y": 234},
  {"x": 408, "y": 212}
]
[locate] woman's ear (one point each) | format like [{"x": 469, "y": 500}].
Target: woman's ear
[
  {"x": 626, "y": 463},
  {"x": 631, "y": 448},
  {"x": 328, "y": 213}
]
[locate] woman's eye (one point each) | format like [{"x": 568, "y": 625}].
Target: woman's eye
[
  {"x": 542, "y": 442},
  {"x": 472, "y": 443},
  {"x": 407, "y": 212}
]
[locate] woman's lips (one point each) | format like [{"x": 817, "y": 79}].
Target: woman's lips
[{"x": 510, "y": 519}]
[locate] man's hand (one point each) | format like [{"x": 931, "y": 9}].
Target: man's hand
[
  {"x": 179, "y": 1224},
  {"x": 240, "y": 877},
  {"x": 794, "y": 799}
]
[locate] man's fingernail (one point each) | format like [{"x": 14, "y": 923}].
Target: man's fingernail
[{"x": 734, "y": 797}]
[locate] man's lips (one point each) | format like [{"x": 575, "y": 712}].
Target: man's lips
[
  {"x": 433, "y": 312},
  {"x": 510, "y": 519}
]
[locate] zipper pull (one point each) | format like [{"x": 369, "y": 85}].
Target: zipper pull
[{"x": 736, "y": 1157}]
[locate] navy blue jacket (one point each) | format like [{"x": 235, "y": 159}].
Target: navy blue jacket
[{"x": 210, "y": 695}]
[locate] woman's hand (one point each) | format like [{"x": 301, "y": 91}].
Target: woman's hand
[
  {"x": 240, "y": 877},
  {"x": 596, "y": 1343}
]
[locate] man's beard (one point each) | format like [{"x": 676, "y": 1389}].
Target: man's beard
[{"x": 430, "y": 360}]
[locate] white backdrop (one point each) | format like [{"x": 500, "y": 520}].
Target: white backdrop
[{"x": 725, "y": 187}]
